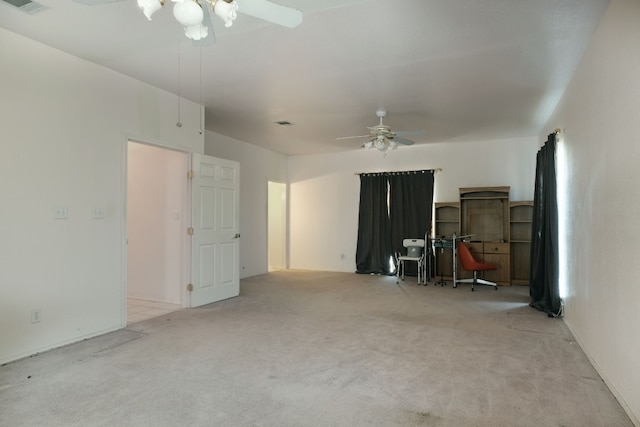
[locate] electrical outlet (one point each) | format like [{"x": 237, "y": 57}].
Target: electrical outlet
[
  {"x": 36, "y": 315},
  {"x": 98, "y": 213}
]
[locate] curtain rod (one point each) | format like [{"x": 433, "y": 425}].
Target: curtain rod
[{"x": 436, "y": 170}]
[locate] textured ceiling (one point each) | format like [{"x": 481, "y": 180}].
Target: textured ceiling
[{"x": 462, "y": 70}]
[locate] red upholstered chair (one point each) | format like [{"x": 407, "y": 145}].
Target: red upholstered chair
[{"x": 469, "y": 263}]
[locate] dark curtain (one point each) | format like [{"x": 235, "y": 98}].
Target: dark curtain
[
  {"x": 374, "y": 235},
  {"x": 543, "y": 277},
  {"x": 410, "y": 208}
]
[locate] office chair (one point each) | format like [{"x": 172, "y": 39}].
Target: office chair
[
  {"x": 415, "y": 252},
  {"x": 469, "y": 263}
]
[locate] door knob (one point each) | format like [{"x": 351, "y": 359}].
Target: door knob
[{"x": 237, "y": 235}]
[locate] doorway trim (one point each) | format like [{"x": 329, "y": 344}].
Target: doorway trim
[{"x": 186, "y": 214}]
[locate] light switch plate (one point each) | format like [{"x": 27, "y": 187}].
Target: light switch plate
[{"x": 60, "y": 213}]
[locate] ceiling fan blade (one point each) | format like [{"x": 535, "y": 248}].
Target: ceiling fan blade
[
  {"x": 95, "y": 2},
  {"x": 410, "y": 133},
  {"x": 353, "y": 137},
  {"x": 403, "y": 141},
  {"x": 271, "y": 12}
]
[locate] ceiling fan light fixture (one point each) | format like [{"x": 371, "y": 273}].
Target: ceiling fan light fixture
[
  {"x": 194, "y": 15},
  {"x": 380, "y": 144},
  {"x": 196, "y": 32},
  {"x": 227, "y": 11},
  {"x": 149, "y": 7},
  {"x": 382, "y": 138},
  {"x": 189, "y": 13}
]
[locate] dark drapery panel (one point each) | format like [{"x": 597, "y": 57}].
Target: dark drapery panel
[
  {"x": 374, "y": 235},
  {"x": 410, "y": 209},
  {"x": 544, "y": 287}
]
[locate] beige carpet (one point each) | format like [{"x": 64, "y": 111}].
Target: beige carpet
[{"x": 322, "y": 349}]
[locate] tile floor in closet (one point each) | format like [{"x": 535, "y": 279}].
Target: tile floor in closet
[{"x": 138, "y": 310}]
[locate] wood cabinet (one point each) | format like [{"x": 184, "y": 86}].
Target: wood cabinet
[
  {"x": 484, "y": 213},
  {"x": 485, "y": 226},
  {"x": 498, "y": 254},
  {"x": 521, "y": 216}
]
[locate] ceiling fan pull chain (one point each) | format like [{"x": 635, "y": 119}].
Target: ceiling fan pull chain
[{"x": 179, "y": 122}]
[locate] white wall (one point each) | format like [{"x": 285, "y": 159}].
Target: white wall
[
  {"x": 156, "y": 202},
  {"x": 324, "y": 190},
  {"x": 65, "y": 124},
  {"x": 257, "y": 167},
  {"x": 599, "y": 113}
]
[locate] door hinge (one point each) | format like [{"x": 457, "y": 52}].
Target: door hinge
[
  {"x": 190, "y": 174},
  {"x": 190, "y": 287},
  {"x": 190, "y": 231}
]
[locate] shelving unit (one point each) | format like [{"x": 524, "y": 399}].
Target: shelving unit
[
  {"x": 521, "y": 216},
  {"x": 447, "y": 222},
  {"x": 499, "y": 232}
]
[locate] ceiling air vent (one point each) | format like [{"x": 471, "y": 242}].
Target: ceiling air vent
[{"x": 27, "y": 6}]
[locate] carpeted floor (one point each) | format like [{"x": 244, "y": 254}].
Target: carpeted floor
[{"x": 322, "y": 349}]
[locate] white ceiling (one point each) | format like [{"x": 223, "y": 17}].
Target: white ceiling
[{"x": 463, "y": 70}]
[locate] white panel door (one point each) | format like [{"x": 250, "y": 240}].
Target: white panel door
[{"x": 215, "y": 244}]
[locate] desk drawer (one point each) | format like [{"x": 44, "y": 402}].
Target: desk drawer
[{"x": 496, "y": 248}]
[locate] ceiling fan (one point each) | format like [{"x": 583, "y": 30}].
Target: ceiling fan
[
  {"x": 382, "y": 137},
  {"x": 195, "y": 15}
]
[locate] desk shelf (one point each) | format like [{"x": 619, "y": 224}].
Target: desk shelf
[
  {"x": 520, "y": 225},
  {"x": 447, "y": 223},
  {"x": 484, "y": 217}
]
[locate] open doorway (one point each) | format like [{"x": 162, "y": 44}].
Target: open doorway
[
  {"x": 156, "y": 223},
  {"x": 277, "y": 225}
]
